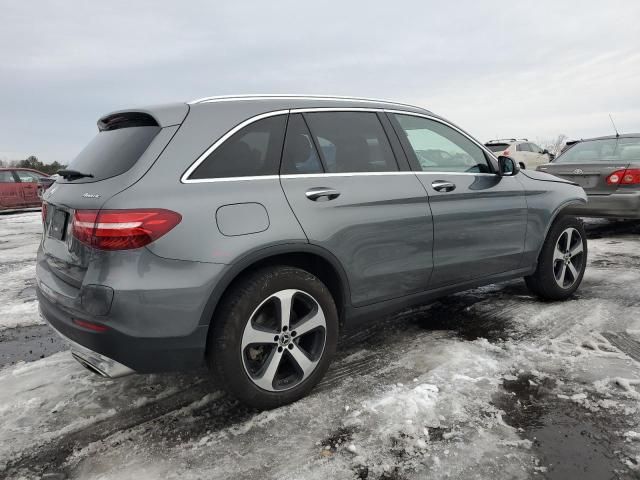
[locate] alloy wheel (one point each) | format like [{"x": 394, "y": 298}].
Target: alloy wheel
[
  {"x": 568, "y": 258},
  {"x": 283, "y": 340}
]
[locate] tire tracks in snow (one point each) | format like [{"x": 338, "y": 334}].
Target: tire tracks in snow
[
  {"x": 625, "y": 343},
  {"x": 51, "y": 456}
]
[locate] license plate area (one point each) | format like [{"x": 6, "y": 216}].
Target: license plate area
[
  {"x": 585, "y": 181},
  {"x": 58, "y": 227}
]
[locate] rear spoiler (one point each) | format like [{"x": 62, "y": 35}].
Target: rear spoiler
[
  {"x": 161, "y": 116},
  {"x": 126, "y": 120}
]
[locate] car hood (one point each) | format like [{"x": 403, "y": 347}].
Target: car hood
[{"x": 545, "y": 177}]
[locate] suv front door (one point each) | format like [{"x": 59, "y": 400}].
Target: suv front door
[
  {"x": 345, "y": 186},
  {"x": 479, "y": 217},
  {"x": 28, "y": 188}
]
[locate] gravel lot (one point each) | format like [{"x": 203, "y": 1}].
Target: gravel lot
[{"x": 490, "y": 383}]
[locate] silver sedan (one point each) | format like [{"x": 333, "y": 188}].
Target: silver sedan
[{"x": 608, "y": 168}]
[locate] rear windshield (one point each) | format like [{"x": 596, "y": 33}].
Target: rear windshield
[
  {"x": 623, "y": 150},
  {"x": 497, "y": 147},
  {"x": 113, "y": 152}
]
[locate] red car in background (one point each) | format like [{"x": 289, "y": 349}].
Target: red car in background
[{"x": 22, "y": 188}]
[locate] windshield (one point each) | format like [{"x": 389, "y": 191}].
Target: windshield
[
  {"x": 607, "y": 150},
  {"x": 113, "y": 152}
]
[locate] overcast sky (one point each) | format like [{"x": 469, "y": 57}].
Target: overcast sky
[{"x": 524, "y": 69}]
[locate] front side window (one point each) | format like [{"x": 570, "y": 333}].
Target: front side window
[
  {"x": 6, "y": 177},
  {"x": 618, "y": 150},
  {"x": 439, "y": 148},
  {"x": 27, "y": 177},
  {"x": 351, "y": 142},
  {"x": 253, "y": 151}
]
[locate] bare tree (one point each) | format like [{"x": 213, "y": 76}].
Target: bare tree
[{"x": 557, "y": 145}]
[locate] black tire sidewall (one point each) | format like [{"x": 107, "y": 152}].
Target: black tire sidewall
[
  {"x": 544, "y": 276},
  {"x": 224, "y": 353}
]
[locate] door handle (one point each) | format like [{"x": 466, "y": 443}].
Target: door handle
[
  {"x": 321, "y": 192},
  {"x": 442, "y": 186}
]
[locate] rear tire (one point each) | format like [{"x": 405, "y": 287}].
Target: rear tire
[
  {"x": 562, "y": 261},
  {"x": 261, "y": 355}
]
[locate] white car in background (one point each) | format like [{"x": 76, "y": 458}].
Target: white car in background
[{"x": 526, "y": 153}]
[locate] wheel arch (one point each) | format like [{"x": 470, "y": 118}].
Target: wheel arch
[
  {"x": 314, "y": 259},
  {"x": 558, "y": 213}
]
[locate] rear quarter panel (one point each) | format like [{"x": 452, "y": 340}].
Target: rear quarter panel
[{"x": 198, "y": 236}]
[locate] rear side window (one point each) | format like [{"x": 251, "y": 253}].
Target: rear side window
[
  {"x": 497, "y": 147},
  {"x": 523, "y": 147},
  {"x": 253, "y": 151},
  {"x": 351, "y": 142},
  {"x": 6, "y": 177},
  {"x": 113, "y": 152},
  {"x": 299, "y": 155}
]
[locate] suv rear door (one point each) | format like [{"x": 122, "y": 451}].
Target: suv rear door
[
  {"x": 479, "y": 217},
  {"x": 352, "y": 197}
]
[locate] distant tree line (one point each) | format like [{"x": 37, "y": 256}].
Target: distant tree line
[{"x": 34, "y": 163}]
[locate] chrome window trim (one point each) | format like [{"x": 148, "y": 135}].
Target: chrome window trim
[
  {"x": 233, "y": 179},
  {"x": 330, "y": 175},
  {"x": 185, "y": 176}
]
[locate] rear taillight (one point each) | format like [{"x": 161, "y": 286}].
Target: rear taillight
[
  {"x": 122, "y": 229},
  {"x": 506, "y": 153},
  {"x": 615, "y": 177},
  {"x": 630, "y": 176}
]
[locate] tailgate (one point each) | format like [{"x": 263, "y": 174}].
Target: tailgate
[{"x": 120, "y": 154}]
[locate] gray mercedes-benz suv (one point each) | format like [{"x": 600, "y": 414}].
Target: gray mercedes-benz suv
[{"x": 246, "y": 232}]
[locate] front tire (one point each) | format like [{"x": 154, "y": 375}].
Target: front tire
[
  {"x": 562, "y": 261},
  {"x": 273, "y": 336}
]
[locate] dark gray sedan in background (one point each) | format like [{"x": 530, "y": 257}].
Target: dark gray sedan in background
[{"x": 608, "y": 168}]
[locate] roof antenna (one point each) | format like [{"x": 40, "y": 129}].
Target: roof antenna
[{"x": 614, "y": 126}]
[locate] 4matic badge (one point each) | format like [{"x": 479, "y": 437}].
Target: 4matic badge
[{"x": 90, "y": 195}]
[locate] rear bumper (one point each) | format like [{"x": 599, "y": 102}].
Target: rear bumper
[
  {"x": 615, "y": 205},
  {"x": 97, "y": 363},
  {"x": 155, "y": 322},
  {"x": 112, "y": 353}
]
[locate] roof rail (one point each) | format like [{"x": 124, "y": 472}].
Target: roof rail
[{"x": 225, "y": 98}]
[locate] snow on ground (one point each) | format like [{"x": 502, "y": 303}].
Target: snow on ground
[
  {"x": 486, "y": 383},
  {"x": 19, "y": 237}
]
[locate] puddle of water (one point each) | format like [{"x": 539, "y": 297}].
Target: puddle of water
[{"x": 570, "y": 441}]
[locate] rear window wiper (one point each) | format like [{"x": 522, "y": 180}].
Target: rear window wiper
[{"x": 73, "y": 174}]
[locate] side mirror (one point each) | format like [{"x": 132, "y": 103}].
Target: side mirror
[
  {"x": 545, "y": 152},
  {"x": 507, "y": 166}
]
